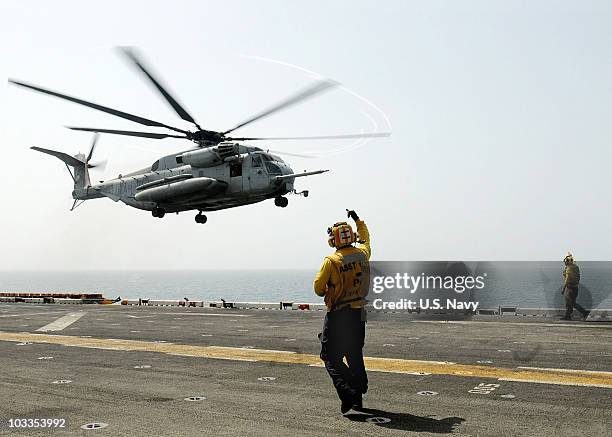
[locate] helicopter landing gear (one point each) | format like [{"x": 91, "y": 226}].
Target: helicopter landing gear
[
  {"x": 200, "y": 218},
  {"x": 301, "y": 193},
  {"x": 281, "y": 202},
  {"x": 158, "y": 212}
]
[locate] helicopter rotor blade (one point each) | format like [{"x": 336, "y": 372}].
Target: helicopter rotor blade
[
  {"x": 94, "y": 141},
  {"x": 106, "y": 109},
  {"x": 310, "y": 91},
  {"x": 127, "y": 132},
  {"x": 320, "y": 137},
  {"x": 298, "y": 155},
  {"x": 180, "y": 110}
]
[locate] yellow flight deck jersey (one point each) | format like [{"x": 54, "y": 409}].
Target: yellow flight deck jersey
[
  {"x": 571, "y": 274},
  {"x": 345, "y": 274}
]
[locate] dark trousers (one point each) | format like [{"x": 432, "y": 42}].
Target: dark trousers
[
  {"x": 570, "y": 294},
  {"x": 343, "y": 337}
]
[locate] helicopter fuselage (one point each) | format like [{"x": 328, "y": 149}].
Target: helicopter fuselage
[{"x": 203, "y": 179}]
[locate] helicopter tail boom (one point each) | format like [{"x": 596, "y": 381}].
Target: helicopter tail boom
[{"x": 79, "y": 174}]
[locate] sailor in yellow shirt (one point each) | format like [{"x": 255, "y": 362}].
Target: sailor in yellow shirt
[
  {"x": 344, "y": 281},
  {"x": 571, "y": 279}
]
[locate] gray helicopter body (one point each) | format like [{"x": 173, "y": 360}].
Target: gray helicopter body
[
  {"x": 199, "y": 179},
  {"x": 206, "y": 179}
]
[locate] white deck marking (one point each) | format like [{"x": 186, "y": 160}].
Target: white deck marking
[
  {"x": 556, "y": 382},
  {"x": 62, "y": 322},
  {"x": 550, "y": 369}
]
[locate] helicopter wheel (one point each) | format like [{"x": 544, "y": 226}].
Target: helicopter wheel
[
  {"x": 201, "y": 218},
  {"x": 281, "y": 201},
  {"x": 158, "y": 212}
]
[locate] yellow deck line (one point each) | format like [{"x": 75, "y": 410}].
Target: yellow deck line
[{"x": 374, "y": 364}]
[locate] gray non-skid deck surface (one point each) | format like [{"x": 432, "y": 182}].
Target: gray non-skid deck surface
[{"x": 106, "y": 387}]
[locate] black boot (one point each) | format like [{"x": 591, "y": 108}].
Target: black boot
[{"x": 346, "y": 405}]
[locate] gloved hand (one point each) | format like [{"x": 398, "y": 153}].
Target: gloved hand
[{"x": 352, "y": 214}]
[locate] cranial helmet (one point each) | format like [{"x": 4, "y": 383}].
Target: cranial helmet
[
  {"x": 341, "y": 234},
  {"x": 569, "y": 258}
]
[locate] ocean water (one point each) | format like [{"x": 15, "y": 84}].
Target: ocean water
[
  {"x": 236, "y": 285},
  {"x": 525, "y": 284}
]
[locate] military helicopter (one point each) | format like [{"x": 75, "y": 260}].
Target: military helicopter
[{"x": 219, "y": 173}]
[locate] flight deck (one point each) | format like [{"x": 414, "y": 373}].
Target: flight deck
[{"x": 152, "y": 370}]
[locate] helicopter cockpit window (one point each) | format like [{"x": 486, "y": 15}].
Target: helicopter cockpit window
[
  {"x": 256, "y": 161},
  {"x": 155, "y": 166},
  {"x": 270, "y": 158},
  {"x": 273, "y": 169}
]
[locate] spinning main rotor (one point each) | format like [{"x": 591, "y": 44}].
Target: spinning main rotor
[{"x": 202, "y": 137}]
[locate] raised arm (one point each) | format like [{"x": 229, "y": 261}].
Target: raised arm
[
  {"x": 362, "y": 231},
  {"x": 364, "y": 238}
]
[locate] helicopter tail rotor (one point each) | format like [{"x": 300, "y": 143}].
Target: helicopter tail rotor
[{"x": 101, "y": 165}]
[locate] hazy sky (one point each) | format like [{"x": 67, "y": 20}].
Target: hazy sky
[{"x": 500, "y": 110}]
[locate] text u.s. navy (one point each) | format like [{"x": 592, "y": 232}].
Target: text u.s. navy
[{"x": 424, "y": 304}]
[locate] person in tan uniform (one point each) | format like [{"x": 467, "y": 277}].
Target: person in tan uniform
[
  {"x": 343, "y": 281},
  {"x": 571, "y": 279}
]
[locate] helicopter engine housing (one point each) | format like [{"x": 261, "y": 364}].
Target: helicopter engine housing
[
  {"x": 200, "y": 158},
  {"x": 209, "y": 157}
]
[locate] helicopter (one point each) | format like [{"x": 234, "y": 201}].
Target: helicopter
[{"x": 219, "y": 173}]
